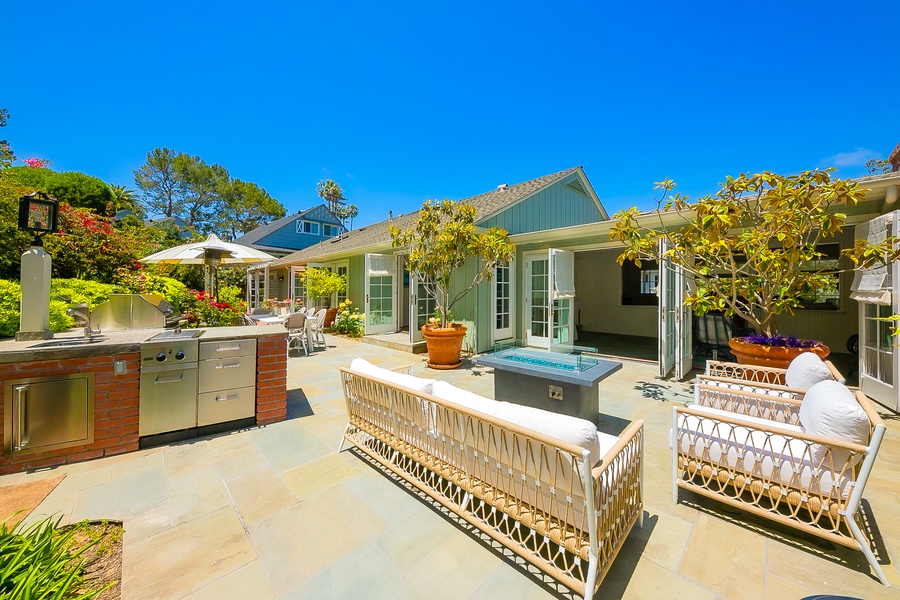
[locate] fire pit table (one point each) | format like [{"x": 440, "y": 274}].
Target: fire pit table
[{"x": 565, "y": 379}]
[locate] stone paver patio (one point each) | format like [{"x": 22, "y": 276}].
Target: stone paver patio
[{"x": 276, "y": 512}]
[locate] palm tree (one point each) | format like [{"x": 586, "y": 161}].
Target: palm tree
[{"x": 125, "y": 199}]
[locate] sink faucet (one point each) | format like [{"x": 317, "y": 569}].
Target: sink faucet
[{"x": 81, "y": 310}]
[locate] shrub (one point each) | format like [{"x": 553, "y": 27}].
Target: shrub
[
  {"x": 80, "y": 291},
  {"x": 199, "y": 308},
  {"x": 144, "y": 282},
  {"x": 10, "y": 298},
  {"x": 349, "y": 321},
  {"x": 38, "y": 561}
]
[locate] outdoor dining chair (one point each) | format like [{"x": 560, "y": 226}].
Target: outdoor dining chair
[
  {"x": 297, "y": 326},
  {"x": 317, "y": 329}
]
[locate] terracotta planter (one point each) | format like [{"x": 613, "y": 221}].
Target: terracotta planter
[
  {"x": 330, "y": 316},
  {"x": 444, "y": 345},
  {"x": 769, "y": 356}
]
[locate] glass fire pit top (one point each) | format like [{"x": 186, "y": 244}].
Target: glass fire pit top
[{"x": 564, "y": 357}]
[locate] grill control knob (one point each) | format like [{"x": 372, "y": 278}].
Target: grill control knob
[
  {"x": 161, "y": 357},
  {"x": 179, "y": 355}
]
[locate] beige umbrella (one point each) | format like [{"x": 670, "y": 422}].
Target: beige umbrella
[{"x": 211, "y": 253}]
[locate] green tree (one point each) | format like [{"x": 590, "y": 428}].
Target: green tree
[
  {"x": 125, "y": 199},
  {"x": 245, "y": 206},
  {"x": 13, "y": 242},
  {"x": 161, "y": 182},
  {"x": 440, "y": 242},
  {"x": 332, "y": 194},
  {"x": 71, "y": 187},
  {"x": 6, "y": 154},
  {"x": 878, "y": 166},
  {"x": 752, "y": 248}
]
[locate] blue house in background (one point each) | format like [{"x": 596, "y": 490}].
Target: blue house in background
[{"x": 293, "y": 232}]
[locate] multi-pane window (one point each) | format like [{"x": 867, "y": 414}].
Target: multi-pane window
[
  {"x": 501, "y": 287},
  {"x": 307, "y": 227},
  {"x": 331, "y": 230},
  {"x": 342, "y": 271},
  {"x": 829, "y": 296},
  {"x": 649, "y": 281},
  {"x": 879, "y": 345}
]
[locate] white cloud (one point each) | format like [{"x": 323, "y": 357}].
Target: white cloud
[
  {"x": 857, "y": 158},
  {"x": 350, "y": 176}
]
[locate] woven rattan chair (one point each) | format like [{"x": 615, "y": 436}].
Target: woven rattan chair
[
  {"x": 317, "y": 329},
  {"x": 748, "y": 451},
  {"x": 770, "y": 375}
]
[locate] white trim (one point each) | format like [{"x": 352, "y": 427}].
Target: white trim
[
  {"x": 301, "y": 225},
  {"x": 502, "y": 334}
]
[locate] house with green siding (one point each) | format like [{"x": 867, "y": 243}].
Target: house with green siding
[{"x": 566, "y": 287}]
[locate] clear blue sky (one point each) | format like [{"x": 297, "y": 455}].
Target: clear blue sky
[{"x": 402, "y": 102}]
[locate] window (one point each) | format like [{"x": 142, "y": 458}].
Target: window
[
  {"x": 639, "y": 284},
  {"x": 331, "y": 230},
  {"x": 341, "y": 296},
  {"x": 307, "y": 227},
  {"x": 828, "y": 297}
]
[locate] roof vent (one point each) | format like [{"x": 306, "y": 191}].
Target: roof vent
[{"x": 502, "y": 186}]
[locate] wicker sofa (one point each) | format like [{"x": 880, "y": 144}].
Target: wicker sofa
[
  {"x": 565, "y": 508},
  {"x": 800, "y": 461}
]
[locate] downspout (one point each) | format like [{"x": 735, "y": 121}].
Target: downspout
[{"x": 890, "y": 199}]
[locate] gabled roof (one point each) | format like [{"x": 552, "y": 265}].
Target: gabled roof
[
  {"x": 251, "y": 237},
  {"x": 486, "y": 204}
]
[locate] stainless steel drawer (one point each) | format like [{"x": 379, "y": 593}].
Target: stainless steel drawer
[
  {"x": 168, "y": 399},
  {"x": 227, "y": 349},
  {"x": 227, "y": 373},
  {"x": 226, "y": 405}
]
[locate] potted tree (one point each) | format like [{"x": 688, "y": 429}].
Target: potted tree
[
  {"x": 323, "y": 283},
  {"x": 440, "y": 242},
  {"x": 752, "y": 249}
]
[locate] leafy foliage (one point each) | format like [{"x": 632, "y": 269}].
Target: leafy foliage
[
  {"x": 877, "y": 166},
  {"x": 13, "y": 242},
  {"x": 37, "y": 561},
  {"x": 323, "y": 283},
  {"x": 199, "y": 307},
  {"x": 80, "y": 291},
  {"x": 349, "y": 321},
  {"x": 145, "y": 282},
  {"x": 6, "y": 154},
  {"x": 72, "y": 187},
  {"x": 440, "y": 242},
  {"x": 245, "y": 206},
  {"x": 10, "y": 300},
  {"x": 752, "y": 247}
]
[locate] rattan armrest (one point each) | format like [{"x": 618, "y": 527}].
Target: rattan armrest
[
  {"x": 406, "y": 369},
  {"x": 741, "y": 402}
]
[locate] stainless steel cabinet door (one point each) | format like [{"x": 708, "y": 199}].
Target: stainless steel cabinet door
[
  {"x": 227, "y": 373},
  {"x": 168, "y": 400},
  {"x": 47, "y": 413},
  {"x": 227, "y": 405}
]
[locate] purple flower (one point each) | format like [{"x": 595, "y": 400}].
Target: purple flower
[{"x": 779, "y": 340}]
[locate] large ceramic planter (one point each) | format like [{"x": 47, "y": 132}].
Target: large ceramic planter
[
  {"x": 769, "y": 356},
  {"x": 330, "y": 316},
  {"x": 444, "y": 345}
]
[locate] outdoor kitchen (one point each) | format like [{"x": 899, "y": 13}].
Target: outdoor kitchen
[{"x": 76, "y": 398}]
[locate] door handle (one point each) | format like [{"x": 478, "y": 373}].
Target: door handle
[
  {"x": 227, "y": 397},
  {"x": 20, "y": 420},
  {"x": 237, "y": 364},
  {"x": 171, "y": 380},
  {"x": 219, "y": 349}
]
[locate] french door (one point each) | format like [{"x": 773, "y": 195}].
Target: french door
[
  {"x": 878, "y": 292},
  {"x": 675, "y": 327},
  {"x": 421, "y": 307},
  {"x": 549, "y": 298},
  {"x": 381, "y": 279},
  {"x": 503, "y": 303}
]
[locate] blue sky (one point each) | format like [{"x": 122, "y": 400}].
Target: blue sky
[{"x": 399, "y": 102}]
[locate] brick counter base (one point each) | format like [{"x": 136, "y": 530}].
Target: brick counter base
[
  {"x": 271, "y": 379},
  {"x": 116, "y": 408}
]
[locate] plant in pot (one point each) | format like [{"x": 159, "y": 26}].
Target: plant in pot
[
  {"x": 440, "y": 242},
  {"x": 753, "y": 250},
  {"x": 323, "y": 283}
]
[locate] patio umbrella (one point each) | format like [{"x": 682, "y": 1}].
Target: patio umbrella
[{"x": 210, "y": 253}]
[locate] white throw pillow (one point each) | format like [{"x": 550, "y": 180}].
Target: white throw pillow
[
  {"x": 829, "y": 409},
  {"x": 446, "y": 391},
  {"x": 806, "y": 370},
  {"x": 562, "y": 427},
  {"x": 361, "y": 365}
]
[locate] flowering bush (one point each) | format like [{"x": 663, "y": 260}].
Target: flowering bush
[
  {"x": 349, "y": 321},
  {"x": 38, "y": 163},
  {"x": 200, "y": 308},
  {"x": 779, "y": 340}
]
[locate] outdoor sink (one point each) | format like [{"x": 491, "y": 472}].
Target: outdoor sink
[
  {"x": 65, "y": 343},
  {"x": 177, "y": 334}
]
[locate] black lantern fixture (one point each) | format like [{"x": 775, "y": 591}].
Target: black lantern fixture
[{"x": 38, "y": 214}]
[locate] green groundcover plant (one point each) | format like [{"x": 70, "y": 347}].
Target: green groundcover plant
[{"x": 38, "y": 561}]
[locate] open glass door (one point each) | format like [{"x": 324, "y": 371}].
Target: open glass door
[
  {"x": 380, "y": 282},
  {"x": 502, "y": 289},
  {"x": 253, "y": 289},
  {"x": 878, "y": 292},
  {"x": 666, "y": 293},
  {"x": 421, "y": 307},
  {"x": 549, "y": 298},
  {"x": 562, "y": 292},
  {"x": 684, "y": 346}
]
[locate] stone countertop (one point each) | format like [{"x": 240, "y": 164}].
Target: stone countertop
[{"x": 109, "y": 343}]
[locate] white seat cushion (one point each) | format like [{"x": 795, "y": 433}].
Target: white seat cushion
[
  {"x": 756, "y": 453},
  {"x": 361, "y": 365},
  {"x": 830, "y": 409},
  {"x": 806, "y": 370}
]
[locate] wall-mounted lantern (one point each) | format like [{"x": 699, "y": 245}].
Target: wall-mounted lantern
[{"x": 38, "y": 214}]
